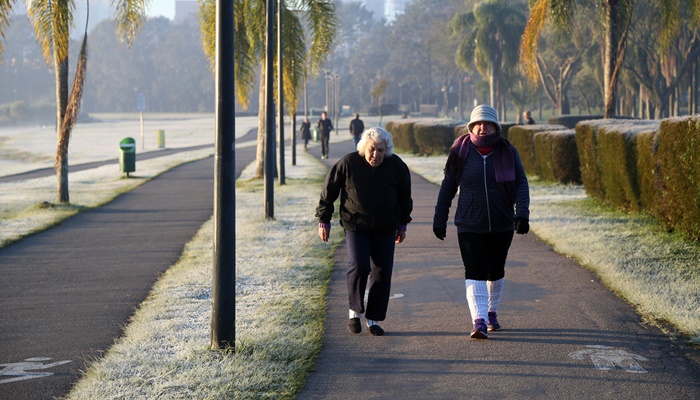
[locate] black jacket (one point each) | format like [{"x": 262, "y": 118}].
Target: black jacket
[
  {"x": 356, "y": 127},
  {"x": 325, "y": 126},
  {"x": 371, "y": 199}
]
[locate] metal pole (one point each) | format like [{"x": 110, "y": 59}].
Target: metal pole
[
  {"x": 143, "y": 141},
  {"x": 293, "y": 118},
  {"x": 270, "y": 113},
  {"x": 328, "y": 109},
  {"x": 306, "y": 99},
  {"x": 223, "y": 321},
  {"x": 280, "y": 89},
  {"x": 337, "y": 102}
]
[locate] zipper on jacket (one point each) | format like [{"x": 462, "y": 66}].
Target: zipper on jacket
[{"x": 486, "y": 192}]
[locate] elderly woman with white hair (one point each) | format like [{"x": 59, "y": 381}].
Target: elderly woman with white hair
[
  {"x": 494, "y": 200},
  {"x": 374, "y": 186}
]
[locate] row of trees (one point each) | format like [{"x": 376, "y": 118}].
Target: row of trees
[
  {"x": 168, "y": 66},
  {"x": 447, "y": 53},
  {"x": 636, "y": 58}
]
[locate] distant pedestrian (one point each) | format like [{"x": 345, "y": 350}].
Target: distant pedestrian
[
  {"x": 306, "y": 132},
  {"x": 356, "y": 129},
  {"x": 374, "y": 186},
  {"x": 325, "y": 126},
  {"x": 527, "y": 118},
  {"x": 491, "y": 180}
]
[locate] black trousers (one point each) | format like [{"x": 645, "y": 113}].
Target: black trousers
[
  {"x": 325, "y": 138},
  {"x": 484, "y": 254},
  {"x": 370, "y": 256}
]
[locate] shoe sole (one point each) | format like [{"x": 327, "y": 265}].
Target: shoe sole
[
  {"x": 376, "y": 332},
  {"x": 492, "y": 329},
  {"x": 479, "y": 335}
]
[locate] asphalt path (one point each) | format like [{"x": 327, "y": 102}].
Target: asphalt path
[
  {"x": 565, "y": 335},
  {"x": 67, "y": 293}
]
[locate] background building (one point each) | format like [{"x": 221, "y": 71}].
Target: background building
[
  {"x": 387, "y": 9},
  {"x": 394, "y": 7}
]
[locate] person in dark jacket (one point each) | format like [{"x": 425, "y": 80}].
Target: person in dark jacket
[
  {"x": 374, "y": 186},
  {"x": 527, "y": 118},
  {"x": 306, "y": 132},
  {"x": 494, "y": 200},
  {"x": 325, "y": 126},
  {"x": 356, "y": 129}
]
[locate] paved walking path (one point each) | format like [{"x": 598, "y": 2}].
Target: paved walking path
[
  {"x": 66, "y": 293},
  {"x": 565, "y": 336}
]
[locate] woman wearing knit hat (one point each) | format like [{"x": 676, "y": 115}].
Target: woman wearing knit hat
[{"x": 494, "y": 200}]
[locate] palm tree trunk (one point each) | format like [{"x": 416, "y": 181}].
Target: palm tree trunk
[
  {"x": 610, "y": 55},
  {"x": 61, "y": 162},
  {"x": 616, "y": 29}
]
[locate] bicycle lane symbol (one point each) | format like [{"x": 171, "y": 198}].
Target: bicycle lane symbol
[
  {"x": 22, "y": 370},
  {"x": 606, "y": 358}
]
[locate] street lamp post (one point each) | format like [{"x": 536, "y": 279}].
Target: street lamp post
[
  {"x": 269, "y": 185},
  {"x": 420, "y": 87},
  {"x": 337, "y": 100},
  {"x": 328, "y": 88},
  {"x": 223, "y": 321},
  {"x": 280, "y": 91}
]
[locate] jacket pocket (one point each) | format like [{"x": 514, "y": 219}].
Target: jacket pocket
[{"x": 464, "y": 214}]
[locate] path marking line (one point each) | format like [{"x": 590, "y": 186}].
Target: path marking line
[{"x": 20, "y": 371}]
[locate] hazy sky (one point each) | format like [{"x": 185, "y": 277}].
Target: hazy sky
[{"x": 161, "y": 8}]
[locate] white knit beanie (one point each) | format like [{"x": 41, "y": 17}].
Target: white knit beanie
[{"x": 484, "y": 113}]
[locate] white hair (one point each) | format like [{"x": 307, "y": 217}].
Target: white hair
[{"x": 377, "y": 134}]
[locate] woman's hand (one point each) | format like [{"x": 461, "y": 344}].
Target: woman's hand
[
  {"x": 400, "y": 236},
  {"x": 324, "y": 233}
]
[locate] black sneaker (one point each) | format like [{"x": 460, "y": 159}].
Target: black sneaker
[
  {"x": 479, "y": 331},
  {"x": 493, "y": 322},
  {"x": 376, "y": 330},
  {"x": 354, "y": 325}
]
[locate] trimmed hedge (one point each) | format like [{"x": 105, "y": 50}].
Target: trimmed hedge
[
  {"x": 434, "y": 137},
  {"x": 647, "y": 168},
  {"x": 618, "y": 167},
  {"x": 678, "y": 181},
  {"x": 402, "y": 134},
  {"x": 587, "y": 146},
  {"x": 609, "y": 160},
  {"x": 570, "y": 121},
  {"x": 523, "y": 138},
  {"x": 556, "y": 156}
]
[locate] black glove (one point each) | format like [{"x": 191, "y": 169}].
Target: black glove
[
  {"x": 521, "y": 226},
  {"x": 440, "y": 233}
]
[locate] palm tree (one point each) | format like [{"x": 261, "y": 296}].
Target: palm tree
[
  {"x": 318, "y": 17},
  {"x": 52, "y": 21},
  {"x": 617, "y": 18},
  {"x": 492, "y": 30}
]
